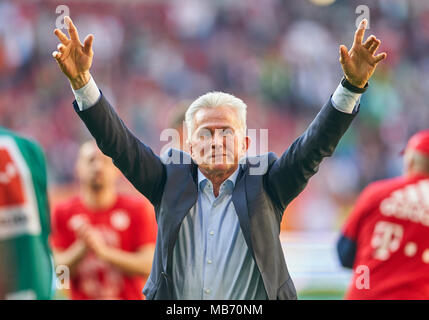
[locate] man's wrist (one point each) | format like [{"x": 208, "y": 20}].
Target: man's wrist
[
  {"x": 104, "y": 253},
  {"x": 88, "y": 95},
  {"x": 352, "y": 86},
  {"x": 80, "y": 81}
]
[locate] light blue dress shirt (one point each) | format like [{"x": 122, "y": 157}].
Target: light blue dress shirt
[{"x": 211, "y": 259}]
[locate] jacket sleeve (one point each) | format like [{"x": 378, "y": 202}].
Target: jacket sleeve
[
  {"x": 136, "y": 160},
  {"x": 289, "y": 174}
]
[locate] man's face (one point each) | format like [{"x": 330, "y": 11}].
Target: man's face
[
  {"x": 94, "y": 169},
  {"x": 217, "y": 141}
]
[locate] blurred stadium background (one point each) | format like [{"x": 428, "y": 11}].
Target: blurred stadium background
[{"x": 281, "y": 57}]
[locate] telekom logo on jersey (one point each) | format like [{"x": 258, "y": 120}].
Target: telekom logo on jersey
[{"x": 410, "y": 203}]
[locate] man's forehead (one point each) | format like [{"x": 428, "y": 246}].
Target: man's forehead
[
  {"x": 89, "y": 149},
  {"x": 219, "y": 116}
]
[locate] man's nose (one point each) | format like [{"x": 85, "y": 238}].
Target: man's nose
[{"x": 218, "y": 140}]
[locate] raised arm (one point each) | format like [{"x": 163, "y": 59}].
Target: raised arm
[
  {"x": 136, "y": 160},
  {"x": 289, "y": 174}
]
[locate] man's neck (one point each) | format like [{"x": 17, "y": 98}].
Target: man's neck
[
  {"x": 98, "y": 199},
  {"x": 217, "y": 177}
]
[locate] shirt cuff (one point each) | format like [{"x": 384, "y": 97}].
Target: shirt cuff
[
  {"x": 87, "y": 96},
  {"x": 345, "y": 100}
]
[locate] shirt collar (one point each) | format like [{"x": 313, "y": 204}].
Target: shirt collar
[{"x": 202, "y": 180}]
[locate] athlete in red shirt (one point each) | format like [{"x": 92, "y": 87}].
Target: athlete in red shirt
[
  {"x": 385, "y": 239},
  {"x": 105, "y": 239}
]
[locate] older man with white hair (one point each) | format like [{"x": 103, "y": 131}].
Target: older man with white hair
[{"x": 218, "y": 220}]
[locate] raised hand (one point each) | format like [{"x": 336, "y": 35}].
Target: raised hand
[
  {"x": 73, "y": 57},
  {"x": 360, "y": 62}
]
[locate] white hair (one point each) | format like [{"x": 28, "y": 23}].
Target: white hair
[{"x": 215, "y": 99}]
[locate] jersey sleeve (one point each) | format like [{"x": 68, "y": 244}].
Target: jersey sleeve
[
  {"x": 145, "y": 227},
  {"x": 60, "y": 236}
]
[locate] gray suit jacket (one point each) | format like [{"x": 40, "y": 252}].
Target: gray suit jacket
[{"x": 259, "y": 200}]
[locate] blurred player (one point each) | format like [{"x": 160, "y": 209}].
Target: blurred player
[
  {"x": 106, "y": 239},
  {"x": 386, "y": 235},
  {"x": 26, "y": 268}
]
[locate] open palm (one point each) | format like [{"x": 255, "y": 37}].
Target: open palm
[
  {"x": 360, "y": 62},
  {"x": 73, "y": 57}
]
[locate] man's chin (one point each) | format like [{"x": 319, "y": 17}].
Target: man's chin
[
  {"x": 95, "y": 186},
  {"x": 218, "y": 167}
]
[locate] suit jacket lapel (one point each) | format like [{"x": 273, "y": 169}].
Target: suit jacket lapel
[
  {"x": 239, "y": 199},
  {"x": 187, "y": 187},
  {"x": 189, "y": 196}
]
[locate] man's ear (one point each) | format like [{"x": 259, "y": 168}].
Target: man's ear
[
  {"x": 116, "y": 171},
  {"x": 247, "y": 142},
  {"x": 408, "y": 162},
  {"x": 189, "y": 145},
  {"x": 77, "y": 169},
  {"x": 411, "y": 163}
]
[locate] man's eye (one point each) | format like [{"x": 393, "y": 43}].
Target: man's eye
[
  {"x": 228, "y": 132},
  {"x": 204, "y": 134}
]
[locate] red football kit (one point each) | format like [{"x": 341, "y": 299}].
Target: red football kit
[
  {"x": 389, "y": 227},
  {"x": 127, "y": 225}
]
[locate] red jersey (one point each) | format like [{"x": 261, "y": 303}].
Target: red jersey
[
  {"x": 390, "y": 227},
  {"x": 128, "y": 225}
]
